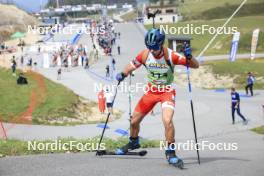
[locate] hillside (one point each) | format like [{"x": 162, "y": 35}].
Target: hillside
[
  {"x": 43, "y": 101},
  {"x": 221, "y": 45},
  {"x": 214, "y": 9},
  {"x": 13, "y": 19}
]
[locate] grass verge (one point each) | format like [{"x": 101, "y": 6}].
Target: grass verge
[
  {"x": 239, "y": 69},
  {"x": 43, "y": 101},
  {"x": 259, "y": 130},
  {"x": 13, "y": 147}
]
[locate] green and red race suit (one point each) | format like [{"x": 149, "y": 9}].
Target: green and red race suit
[{"x": 160, "y": 78}]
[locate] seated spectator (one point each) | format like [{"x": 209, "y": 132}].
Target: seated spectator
[{"x": 21, "y": 79}]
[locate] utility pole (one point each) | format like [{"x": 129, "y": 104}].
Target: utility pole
[
  {"x": 58, "y": 4},
  {"x": 161, "y": 3}
]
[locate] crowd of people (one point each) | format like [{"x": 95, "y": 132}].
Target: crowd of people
[
  {"x": 107, "y": 39},
  {"x": 69, "y": 55}
]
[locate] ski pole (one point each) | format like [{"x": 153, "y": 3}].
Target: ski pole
[
  {"x": 106, "y": 121},
  {"x": 129, "y": 100},
  {"x": 129, "y": 97},
  {"x": 191, "y": 102}
]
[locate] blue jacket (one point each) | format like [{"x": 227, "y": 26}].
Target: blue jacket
[
  {"x": 235, "y": 98},
  {"x": 250, "y": 80}
]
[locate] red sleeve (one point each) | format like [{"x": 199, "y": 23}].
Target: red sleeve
[
  {"x": 137, "y": 62},
  {"x": 177, "y": 58}
]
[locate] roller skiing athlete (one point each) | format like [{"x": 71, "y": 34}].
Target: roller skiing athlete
[{"x": 159, "y": 62}]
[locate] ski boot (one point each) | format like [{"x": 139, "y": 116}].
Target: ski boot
[
  {"x": 173, "y": 159},
  {"x": 132, "y": 145}
]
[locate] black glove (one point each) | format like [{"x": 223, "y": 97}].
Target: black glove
[{"x": 120, "y": 76}]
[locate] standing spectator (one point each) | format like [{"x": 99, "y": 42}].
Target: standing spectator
[
  {"x": 59, "y": 74},
  {"x": 109, "y": 101},
  {"x": 236, "y": 106},
  {"x": 107, "y": 74},
  {"x": 39, "y": 49},
  {"x": 82, "y": 59},
  {"x": 14, "y": 64},
  {"x": 30, "y": 62},
  {"x": 113, "y": 63},
  {"x": 22, "y": 60},
  {"x": 86, "y": 59},
  {"x": 101, "y": 101},
  {"x": 35, "y": 66},
  {"x": 119, "y": 35},
  {"x": 250, "y": 83},
  {"x": 118, "y": 50}
]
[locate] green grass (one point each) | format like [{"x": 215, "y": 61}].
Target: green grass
[
  {"x": 12, "y": 147},
  {"x": 259, "y": 130},
  {"x": 191, "y": 9},
  {"x": 239, "y": 69},
  {"x": 14, "y": 99},
  {"x": 59, "y": 102},
  {"x": 221, "y": 45},
  {"x": 56, "y": 101}
]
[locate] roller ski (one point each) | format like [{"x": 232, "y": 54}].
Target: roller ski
[
  {"x": 173, "y": 159},
  {"x": 131, "y": 153},
  {"x": 126, "y": 150}
]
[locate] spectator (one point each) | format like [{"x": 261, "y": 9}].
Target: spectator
[
  {"x": 250, "y": 83},
  {"x": 22, "y": 60},
  {"x": 59, "y": 74},
  {"x": 109, "y": 101},
  {"x": 35, "y": 66},
  {"x": 113, "y": 63},
  {"x": 107, "y": 74},
  {"x": 14, "y": 64},
  {"x": 118, "y": 50},
  {"x": 101, "y": 101},
  {"x": 236, "y": 106},
  {"x": 22, "y": 79},
  {"x": 86, "y": 59},
  {"x": 30, "y": 62},
  {"x": 39, "y": 49}
]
